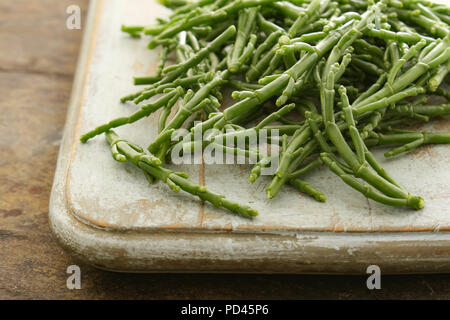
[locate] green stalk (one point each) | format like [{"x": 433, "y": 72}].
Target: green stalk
[
  {"x": 412, "y": 52},
  {"x": 304, "y": 17},
  {"x": 439, "y": 76},
  {"x": 366, "y": 190},
  {"x": 273, "y": 88},
  {"x": 149, "y": 92},
  {"x": 175, "y": 180},
  {"x": 359, "y": 166},
  {"x": 247, "y": 20},
  {"x": 194, "y": 104},
  {"x": 145, "y": 111},
  {"x": 305, "y": 187},
  {"x": 206, "y": 18},
  {"x": 174, "y": 71},
  {"x": 437, "y": 55}
]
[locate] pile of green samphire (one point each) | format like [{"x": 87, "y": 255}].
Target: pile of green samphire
[{"x": 335, "y": 77}]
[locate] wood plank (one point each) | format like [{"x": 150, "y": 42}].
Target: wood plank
[
  {"x": 290, "y": 235},
  {"x": 45, "y": 45},
  {"x": 35, "y": 85}
]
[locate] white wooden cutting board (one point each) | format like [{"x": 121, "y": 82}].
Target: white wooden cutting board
[{"x": 107, "y": 214}]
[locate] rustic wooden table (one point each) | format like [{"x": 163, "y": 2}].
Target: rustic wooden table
[{"x": 37, "y": 59}]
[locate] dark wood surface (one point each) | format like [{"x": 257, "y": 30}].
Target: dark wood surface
[{"x": 37, "y": 61}]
